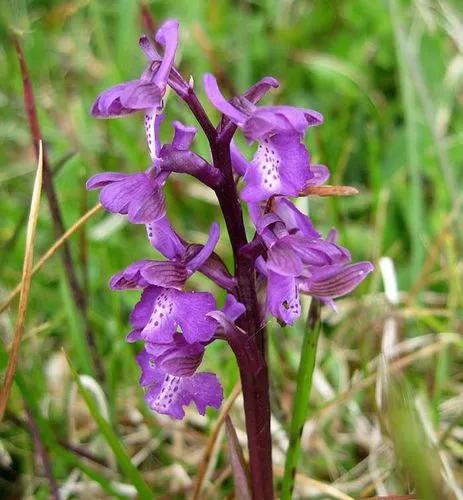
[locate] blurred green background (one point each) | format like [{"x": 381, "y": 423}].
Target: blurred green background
[{"x": 386, "y": 408}]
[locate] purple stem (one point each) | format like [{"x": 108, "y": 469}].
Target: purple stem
[
  {"x": 255, "y": 384},
  {"x": 190, "y": 163}
]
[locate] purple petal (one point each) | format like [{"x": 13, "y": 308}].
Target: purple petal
[
  {"x": 153, "y": 120},
  {"x": 218, "y": 100},
  {"x": 259, "y": 89},
  {"x": 318, "y": 252},
  {"x": 99, "y": 181},
  {"x": 177, "y": 357},
  {"x": 214, "y": 268},
  {"x": 283, "y": 297},
  {"x": 282, "y": 258},
  {"x": 167, "y": 36},
  {"x": 280, "y": 166},
  {"x": 162, "y": 322},
  {"x": 137, "y": 195},
  {"x": 126, "y": 98},
  {"x": 337, "y": 280},
  {"x": 164, "y": 239},
  {"x": 320, "y": 175},
  {"x": 232, "y": 308},
  {"x": 200, "y": 258},
  {"x": 168, "y": 274},
  {"x": 269, "y": 120},
  {"x": 168, "y": 394},
  {"x": 148, "y": 48},
  {"x": 130, "y": 278},
  {"x": 183, "y": 136},
  {"x": 191, "y": 310},
  {"x": 149, "y": 373},
  {"x": 293, "y": 218},
  {"x": 312, "y": 117},
  {"x": 145, "y": 95},
  {"x": 239, "y": 162},
  {"x": 141, "y": 313}
]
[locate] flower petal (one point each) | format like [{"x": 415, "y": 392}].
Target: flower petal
[
  {"x": 137, "y": 195},
  {"x": 167, "y": 36},
  {"x": 183, "y": 136},
  {"x": 191, "y": 310},
  {"x": 130, "y": 278},
  {"x": 283, "y": 297},
  {"x": 177, "y": 357},
  {"x": 280, "y": 166},
  {"x": 168, "y": 394},
  {"x": 101, "y": 180},
  {"x": 337, "y": 280},
  {"x": 164, "y": 239},
  {"x": 168, "y": 274},
  {"x": 218, "y": 100},
  {"x": 200, "y": 258}
]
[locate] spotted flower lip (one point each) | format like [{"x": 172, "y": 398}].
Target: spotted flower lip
[
  {"x": 161, "y": 311},
  {"x": 260, "y": 122},
  {"x": 281, "y": 164},
  {"x": 168, "y": 394},
  {"x": 146, "y": 92}
]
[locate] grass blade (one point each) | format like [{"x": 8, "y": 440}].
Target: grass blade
[
  {"x": 301, "y": 397},
  {"x": 25, "y": 286},
  {"x": 126, "y": 465}
]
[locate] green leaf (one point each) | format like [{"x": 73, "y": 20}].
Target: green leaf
[{"x": 301, "y": 397}]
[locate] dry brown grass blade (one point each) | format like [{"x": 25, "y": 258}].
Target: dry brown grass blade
[
  {"x": 24, "y": 287},
  {"x": 308, "y": 482},
  {"x": 51, "y": 251},
  {"x": 330, "y": 191},
  {"x": 238, "y": 463},
  {"x": 202, "y": 468}
]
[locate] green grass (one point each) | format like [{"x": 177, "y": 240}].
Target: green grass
[{"x": 388, "y": 78}]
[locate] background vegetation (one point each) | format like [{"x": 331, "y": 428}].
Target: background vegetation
[{"x": 386, "y": 411}]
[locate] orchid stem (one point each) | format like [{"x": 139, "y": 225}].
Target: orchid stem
[{"x": 255, "y": 385}]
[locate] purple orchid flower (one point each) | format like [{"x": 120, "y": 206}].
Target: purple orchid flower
[
  {"x": 169, "y": 369},
  {"x": 163, "y": 305},
  {"x": 281, "y": 164},
  {"x": 168, "y": 394},
  {"x": 287, "y": 256},
  {"x": 139, "y": 195},
  {"x": 300, "y": 261},
  {"x": 147, "y": 92}
]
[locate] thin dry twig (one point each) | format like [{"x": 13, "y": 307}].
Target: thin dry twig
[
  {"x": 330, "y": 191},
  {"x": 202, "y": 468},
  {"x": 51, "y": 251},
  {"x": 25, "y": 286}
]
